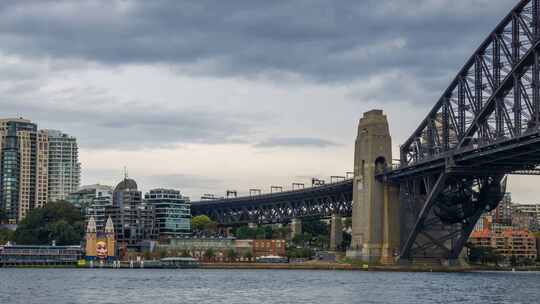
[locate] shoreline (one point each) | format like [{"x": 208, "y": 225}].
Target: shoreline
[
  {"x": 315, "y": 266},
  {"x": 374, "y": 268}
]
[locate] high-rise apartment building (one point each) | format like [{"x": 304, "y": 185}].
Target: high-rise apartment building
[
  {"x": 85, "y": 196},
  {"x": 24, "y": 168},
  {"x": 503, "y": 213},
  {"x": 36, "y": 167},
  {"x": 172, "y": 211},
  {"x": 64, "y": 166},
  {"x": 93, "y": 200}
]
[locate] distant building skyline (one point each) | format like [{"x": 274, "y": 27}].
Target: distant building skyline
[{"x": 37, "y": 167}]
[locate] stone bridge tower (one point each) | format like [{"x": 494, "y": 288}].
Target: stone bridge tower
[{"x": 375, "y": 215}]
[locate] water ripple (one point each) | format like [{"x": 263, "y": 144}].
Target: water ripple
[{"x": 63, "y": 286}]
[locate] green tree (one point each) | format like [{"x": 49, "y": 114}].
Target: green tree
[
  {"x": 298, "y": 240},
  {"x": 63, "y": 233},
  {"x": 260, "y": 233},
  {"x": 248, "y": 256},
  {"x": 315, "y": 227},
  {"x": 231, "y": 255},
  {"x": 244, "y": 233},
  {"x": 281, "y": 233},
  {"x": 200, "y": 222},
  {"x": 6, "y": 235},
  {"x": 3, "y": 215},
  {"x": 514, "y": 261},
  {"x": 203, "y": 224},
  {"x": 268, "y": 231},
  {"x": 209, "y": 254},
  {"x": 300, "y": 253},
  {"x": 346, "y": 243},
  {"x": 483, "y": 255},
  {"x": 59, "y": 221}
]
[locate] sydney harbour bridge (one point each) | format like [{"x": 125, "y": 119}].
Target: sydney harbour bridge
[{"x": 452, "y": 168}]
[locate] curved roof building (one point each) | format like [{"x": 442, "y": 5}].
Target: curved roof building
[{"x": 126, "y": 184}]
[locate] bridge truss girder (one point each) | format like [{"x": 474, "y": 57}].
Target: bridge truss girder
[
  {"x": 439, "y": 212},
  {"x": 282, "y": 210}
]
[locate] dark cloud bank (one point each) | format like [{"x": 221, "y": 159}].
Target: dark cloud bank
[{"x": 321, "y": 41}]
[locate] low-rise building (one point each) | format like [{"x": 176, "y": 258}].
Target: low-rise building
[
  {"x": 14, "y": 255},
  {"x": 269, "y": 248},
  {"x": 244, "y": 249},
  {"x": 516, "y": 243},
  {"x": 505, "y": 240},
  {"x": 198, "y": 247}
]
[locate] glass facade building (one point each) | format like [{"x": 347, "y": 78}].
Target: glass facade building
[
  {"x": 134, "y": 220},
  {"x": 10, "y": 174},
  {"x": 24, "y": 163},
  {"x": 172, "y": 212},
  {"x": 93, "y": 201}
]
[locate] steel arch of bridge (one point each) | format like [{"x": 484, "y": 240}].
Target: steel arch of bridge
[
  {"x": 319, "y": 201},
  {"x": 494, "y": 97},
  {"x": 484, "y": 126}
]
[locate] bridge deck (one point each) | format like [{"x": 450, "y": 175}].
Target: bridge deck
[
  {"x": 506, "y": 155},
  {"x": 277, "y": 196},
  {"x": 325, "y": 200}
]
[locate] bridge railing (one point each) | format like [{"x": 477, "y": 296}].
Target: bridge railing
[{"x": 274, "y": 194}]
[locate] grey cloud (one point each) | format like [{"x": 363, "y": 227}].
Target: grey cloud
[
  {"x": 188, "y": 184},
  {"x": 411, "y": 49},
  {"x": 181, "y": 180},
  {"x": 296, "y": 142},
  {"x": 321, "y": 40},
  {"x": 101, "y": 121}
]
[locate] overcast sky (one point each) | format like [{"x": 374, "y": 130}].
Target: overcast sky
[{"x": 205, "y": 96}]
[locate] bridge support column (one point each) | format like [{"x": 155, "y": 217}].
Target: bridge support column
[
  {"x": 336, "y": 232},
  {"x": 296, "y": 227},
  {"x": 375, "y": 220},
  {"x": 391, "y": 225}
]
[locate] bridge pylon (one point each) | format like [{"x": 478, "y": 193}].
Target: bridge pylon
[{"x": 375, "y": 207}]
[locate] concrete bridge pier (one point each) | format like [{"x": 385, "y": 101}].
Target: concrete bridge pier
[
  {"x": 296, "y": 227},
  {"x": 375, "y": 208},
  {"x": 336, "y": 232}
]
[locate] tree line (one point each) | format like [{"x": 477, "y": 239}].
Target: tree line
[{"x": 59, "y": 221}]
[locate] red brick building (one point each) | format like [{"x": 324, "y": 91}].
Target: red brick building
[
  {"x": 507, "y": 241},
  {"x": 268, "y": 247}
]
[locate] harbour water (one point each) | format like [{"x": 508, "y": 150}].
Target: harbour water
[{"x": 63, "y": 286}]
